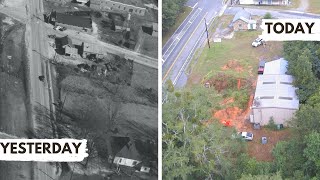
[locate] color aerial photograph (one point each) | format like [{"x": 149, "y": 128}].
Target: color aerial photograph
[
  {"x": 81, "y": 69},
  {"x": 235, "y": 105}
]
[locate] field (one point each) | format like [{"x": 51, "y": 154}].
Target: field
[
  {"x": 314, "y": 6},
  {"x": 237, "y": 49},
  {"x": 97, "y": 107}
]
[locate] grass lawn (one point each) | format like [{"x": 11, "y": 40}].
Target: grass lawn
[
  {"x": 181, "y": 17},
  {"x": 314, "y": 6},
  {"x": 238, "y": 48}
]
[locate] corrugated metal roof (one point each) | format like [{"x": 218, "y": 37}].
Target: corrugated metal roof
[
  {"x": 276, "y": 67},
  {"x": 275, "y": 91}
]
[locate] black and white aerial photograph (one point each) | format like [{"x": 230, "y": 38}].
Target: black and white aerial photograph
[{"x": 81, "y": 69}]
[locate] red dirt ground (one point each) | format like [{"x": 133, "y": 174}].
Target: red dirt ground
[{"x": 233, "y": 65}]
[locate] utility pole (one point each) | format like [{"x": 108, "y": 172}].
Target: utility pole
[{"x": 205, "y": 21}]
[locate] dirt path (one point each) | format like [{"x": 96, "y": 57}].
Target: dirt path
[{"x": 304, "y": 5}]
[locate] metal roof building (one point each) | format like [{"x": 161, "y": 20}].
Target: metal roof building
[{"x": 275, "y": 95}]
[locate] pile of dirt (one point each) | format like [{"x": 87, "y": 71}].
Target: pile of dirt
[
  {"x": 227, "y": 101},
  {"x": 222, "y": 81},
  {"x": 228, "y": 116},
  {"x": 233, "y": 65}
]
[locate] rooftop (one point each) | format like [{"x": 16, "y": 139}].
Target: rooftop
[
  {"x": 276, "y": 91},
  {"x": 244, "y": 16},
  {"x": 80, "y": 21},
  {"x": 276, "y": 67},
  {"x": 275, "y": 88}
]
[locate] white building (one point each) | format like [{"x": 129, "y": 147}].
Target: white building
[
  {"x": 117, "y": 6},
  {"x": 275, "y": 95},
  {"x": 264, "y": 2}
]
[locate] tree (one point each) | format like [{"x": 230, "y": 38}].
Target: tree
[
  {"x": 288, "y": 156},
  {"x": 267, "y": 16},
  {"x": 262, "y": 177},
  {"x": 170, "y": 11},
  {"x": 311, "y": 152},
  {"x": 192, "y": 149}
]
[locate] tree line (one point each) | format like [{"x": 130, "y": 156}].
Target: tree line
[{"x": 170, "y": 11}]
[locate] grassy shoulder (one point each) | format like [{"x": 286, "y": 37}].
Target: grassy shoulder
[
  {"x": 181, "y": 17},
  {"x": 212, "y": 60},
  {"x": 314, "y": 6}
]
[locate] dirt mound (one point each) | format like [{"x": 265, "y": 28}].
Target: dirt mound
[
  {"x": 222, "y": 81},
  {"x": 227, "y": 101},
  {"x": 228, "y": 116},
  {"x": 233, "y": 65}
]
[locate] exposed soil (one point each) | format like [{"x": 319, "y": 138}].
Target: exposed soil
[
  {"x": 222, "y": 82},
  {"x": 228, "y": 116},
  {"x": 233, "y": 65}
]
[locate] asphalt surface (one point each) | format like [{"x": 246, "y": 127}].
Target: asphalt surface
[
  {"x": 38, "y": 66},
  {"x": 257, "y": 11},
  {"x": 183, "y": 43}
]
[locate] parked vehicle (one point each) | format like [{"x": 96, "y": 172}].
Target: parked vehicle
[
  {"x": 257, "y": 42},
  {"x": 248, "y": 136},
  {"x": 59, "y": 28},
  {"x": 52, "y": 36},
  {"x": 262, "y": 63}
]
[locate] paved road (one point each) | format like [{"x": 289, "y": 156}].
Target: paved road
[
  {"x": 38, "y": 66},
  {"x": 106, "y": 47},
  {"x": 187, "y": 38},
  {"x": 275, "y": 13}
]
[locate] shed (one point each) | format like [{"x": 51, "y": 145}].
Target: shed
[
  {"x": 243, "y": 21},
  {"x": 275, "y": 95}
]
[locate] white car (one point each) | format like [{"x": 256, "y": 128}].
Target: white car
[
  {"x": 246, "y": 136},
  {"x": 257, "y": 42},
  {"x": 59, "y": 28}
]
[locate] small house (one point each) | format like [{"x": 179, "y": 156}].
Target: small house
[{"x": 243, "y": 21}]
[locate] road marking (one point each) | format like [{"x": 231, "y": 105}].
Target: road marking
[
  {"x": 195, "y": 5},
  {"x": 180, "y": 25},
  {"x": 186, "y": 62},
  {"x": 167, "y": 73},
  {"x": 179, "y": 36}
]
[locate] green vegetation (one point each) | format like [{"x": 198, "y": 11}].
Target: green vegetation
[
  {"x": 212, "y": 60},
  {"x": 314, "y": 6},
  {"x": 193, "y": 149},
  {"x": 267, "y": 16},
  {"x": 167, "y": 33},
  {"x": 271, "y": 125},
  {"x": 170, "y": 12}
]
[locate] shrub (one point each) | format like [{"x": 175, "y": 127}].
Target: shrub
[
  {"x": 271, "y": 125},
  {"x": 267, "y": 16}
]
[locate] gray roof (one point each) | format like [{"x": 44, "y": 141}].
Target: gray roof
[
  {"x": 275, "y": 88},
  {"x": 79, "y": 21},
  {"x": 243, "y": 15},
  {"x": 276, "y": 67}
]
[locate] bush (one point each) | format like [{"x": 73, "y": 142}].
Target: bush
[
  {"x": 267, "y": 16},
  {"x": 271, "y": 125}
]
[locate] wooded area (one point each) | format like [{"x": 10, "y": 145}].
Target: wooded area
[{"x": 170, "y": 11}]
